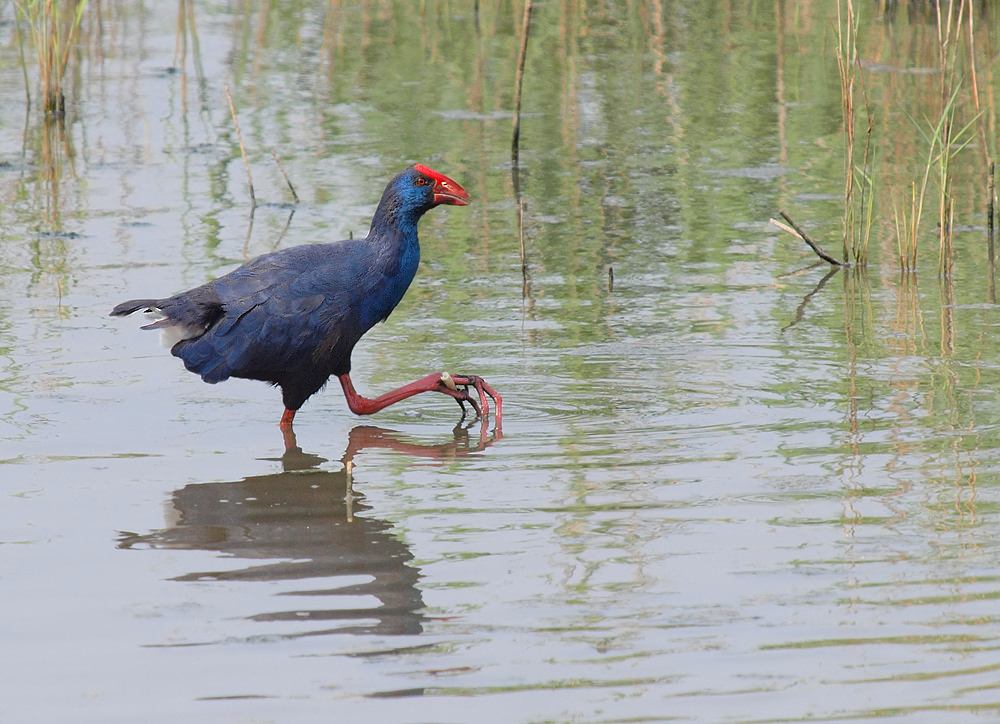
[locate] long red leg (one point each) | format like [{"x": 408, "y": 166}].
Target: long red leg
[{"x": 437, "y": 382}]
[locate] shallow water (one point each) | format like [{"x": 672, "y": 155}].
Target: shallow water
[{"x": 726, "y": 488}]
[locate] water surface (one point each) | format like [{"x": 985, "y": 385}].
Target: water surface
[{"x": 727, "y": 487}]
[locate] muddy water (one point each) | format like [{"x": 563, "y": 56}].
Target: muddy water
[{"x": 726, "y": 488}]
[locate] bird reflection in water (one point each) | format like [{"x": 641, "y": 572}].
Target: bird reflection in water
[{"x": 308, "y": 524}]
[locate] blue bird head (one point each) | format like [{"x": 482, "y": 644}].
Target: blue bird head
[{"x": 414, "y": 191}]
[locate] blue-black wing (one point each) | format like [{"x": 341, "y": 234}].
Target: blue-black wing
[{"x": 279, "y": 315}]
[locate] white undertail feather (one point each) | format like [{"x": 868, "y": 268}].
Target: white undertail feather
[{"x": 173, "y": 333}]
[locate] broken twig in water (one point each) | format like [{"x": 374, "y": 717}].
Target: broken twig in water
[
  {"x": 243, "y": 152},
  {"x": 795, "y": 230}
]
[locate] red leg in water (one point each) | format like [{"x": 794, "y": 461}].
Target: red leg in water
[
  {"x": 441, "y": 382},
  {"x": 286, "y": 420}
]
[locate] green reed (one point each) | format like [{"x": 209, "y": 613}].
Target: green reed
[
  {"x": 859, "y": 184},
  {"x": 944, "y": 139},
  {"x": 53, "y": 26}
]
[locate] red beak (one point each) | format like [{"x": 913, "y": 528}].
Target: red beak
[{"x": 446, "y": 190}]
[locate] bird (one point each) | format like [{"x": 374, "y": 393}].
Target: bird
[{"x": 292, "y": 317}]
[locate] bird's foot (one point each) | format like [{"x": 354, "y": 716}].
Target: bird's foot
[{"x": 460, "y": 384}]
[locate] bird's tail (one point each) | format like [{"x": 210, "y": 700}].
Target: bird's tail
[
  {"x": 182, "y": 317},
  {"x": 134, "y": 305}
]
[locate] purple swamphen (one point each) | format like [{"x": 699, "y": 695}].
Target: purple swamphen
[{"x": 292, "y": 317}]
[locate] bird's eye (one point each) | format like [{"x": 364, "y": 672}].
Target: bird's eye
[{"x": 421, "y": 181}]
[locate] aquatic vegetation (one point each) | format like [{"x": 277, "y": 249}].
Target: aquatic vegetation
[
  {"x": 53, "y": 26},
  {"x": 957, "y": 124},
  {"x": 859, "y": 186},
  {"x": 918, "y": 63}
]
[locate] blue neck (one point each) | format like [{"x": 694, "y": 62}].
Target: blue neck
[{"x": 398, "y": 255}]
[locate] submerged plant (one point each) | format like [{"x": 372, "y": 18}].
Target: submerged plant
[{"x": 53, "y": 26}]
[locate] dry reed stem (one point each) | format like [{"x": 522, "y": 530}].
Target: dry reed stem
[
  {"x": 991, "y": 193},
  {"x": 520, "y": 236},
  {"x": 246, "y": 240},
  {"x": 845, "y": 64},
  {"x": 860, "y": 242},
  {"x": 243, "y": 152},
  {"x": 948, "y": 32},
  {"x": 24, "y": 64},
  {"x": 288, "y": 181},
  {"x": 906, "y": 233},
  {"x": 983, "y": 139},
  {"x": 515, "y": 148},
  {"x": 53, "y": 31},
  {"x": 858, "y": 212},
  {"x": 516, "y": 178}
]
